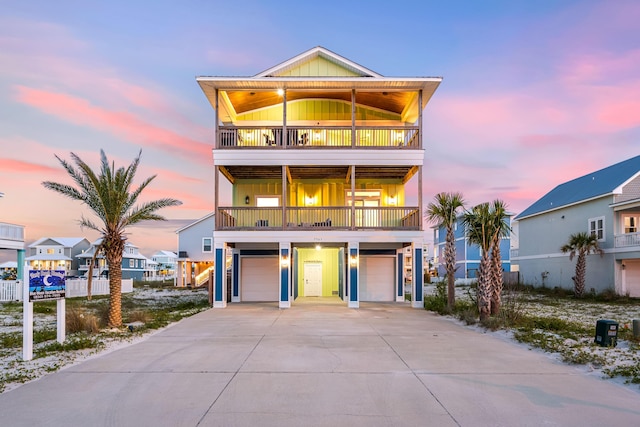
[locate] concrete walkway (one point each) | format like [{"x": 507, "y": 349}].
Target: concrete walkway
[{"x": 320, "y": 365}]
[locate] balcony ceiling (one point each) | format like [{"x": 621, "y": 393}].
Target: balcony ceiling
[
  {"x": 244, "y": 101},
  {"x": 403, "y": 173},
  {"x": 249, "y": 93}
]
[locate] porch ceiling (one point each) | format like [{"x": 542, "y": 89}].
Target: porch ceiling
[
  {"x": 244, "y": 101},
  {"x": 403, "y": 173},
  {"x": 248, "y": 93}
]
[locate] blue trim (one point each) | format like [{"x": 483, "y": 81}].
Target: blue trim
[
  {"x": 219, "y": 270},
  {"x": 284, "y": 276},
  {"x": 353, "y": 276},
  {"x": 417, "y": 276},
  {"x": 400, "y": 275},
  {"x": 236, "y": 274}
]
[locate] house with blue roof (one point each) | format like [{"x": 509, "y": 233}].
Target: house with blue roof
[{"x": 605, "y": 203}]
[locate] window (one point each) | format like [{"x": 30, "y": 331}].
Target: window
[
  {"x": 207, "y": 243},
  {"x": 50, "y": 251},
  {"x": 132, "y": 263},
  {"x": 267, "y": 201},
  {"x": 596, "y": 227},
  {"x": 631, "y": 224}
]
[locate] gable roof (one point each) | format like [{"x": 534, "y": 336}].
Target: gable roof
[
  {"x": 604, "y": 182},
  {"x": 207, "y": 216},
  {"x": 318, "y": 52},
  {"x": 67, "y": 242}
]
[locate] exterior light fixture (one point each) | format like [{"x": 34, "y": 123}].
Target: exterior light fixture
[
  {"x": 280, "y": 92},
  {"x": 318, "y": 247},
  {"x": 284, "y": 261},
  {"x": 354, "y": 261},
  {"x": 246, "y": 200}
]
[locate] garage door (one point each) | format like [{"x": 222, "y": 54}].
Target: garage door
[
  {"x": 259, "y": 279},
  {"x": 632, "y": 278},
  {"x": 377, "y": 278}
]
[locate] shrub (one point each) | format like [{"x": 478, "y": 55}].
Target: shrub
[{"x": 79, "y": 320}]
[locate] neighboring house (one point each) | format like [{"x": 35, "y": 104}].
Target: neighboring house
[
  {"x": 57, "y": 253},
  {"x": 8, "y": 270},
  {"x": 322, "y": 155},
  {"x": 133, "y": 262},
  {"x": 467, "y": 255},
  {"x": 605, "y": 203},
  {"x": 195, "y": 252},
  {"x": 165, "y": 263}
]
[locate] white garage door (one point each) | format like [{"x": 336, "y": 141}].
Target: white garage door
[
  {"x": 632, "y": 278},
  {"x": 377, "y": 278},
  {"x": 259, "y": 279}
]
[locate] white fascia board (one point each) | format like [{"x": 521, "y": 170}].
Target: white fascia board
[
  {"x": 320, "y": 236},
  {"x": 318, "y": 157}
]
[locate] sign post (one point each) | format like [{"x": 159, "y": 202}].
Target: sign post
[{"x": 42, "y": 285}]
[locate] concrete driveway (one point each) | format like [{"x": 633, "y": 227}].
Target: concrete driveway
[{"x": 320, "y": 365}]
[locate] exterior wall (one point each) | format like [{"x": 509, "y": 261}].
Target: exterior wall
[
  {"x": 318, "y": 66},
  {"x": 326, "y": 193},
  {"x": 328, "y": 257},
  {"x": 190, "y": 240},
  {"x": 539, "y": 257},
  {"x": 630, "y": 191}
]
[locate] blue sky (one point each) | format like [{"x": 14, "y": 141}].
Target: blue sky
[{"x": 534, "y": 92}]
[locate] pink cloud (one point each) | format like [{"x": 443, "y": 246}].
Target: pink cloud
[
  {"x": 122, "y": 124},
  {"x": 24, "y": 167}
]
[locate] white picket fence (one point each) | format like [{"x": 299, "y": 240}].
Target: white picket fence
[{"x": 11, "y": 290}]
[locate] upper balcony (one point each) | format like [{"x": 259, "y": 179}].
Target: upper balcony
[
  {"x": 314, "y": 137},
  {"x": 11, "y": 236},
  {"x": 627, "y": 240}
]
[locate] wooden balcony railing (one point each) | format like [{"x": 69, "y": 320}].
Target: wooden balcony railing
[
  {"x": 627, "y": 240},
  {"x": 300, "y": 137},
  {"x": 333, "y": 218}
]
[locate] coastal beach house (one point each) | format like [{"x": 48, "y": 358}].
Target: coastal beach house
[
  {"x": 134, "y": 264},
  {"x": 468, "y": 255},
  {"x": 195, "y": 252},
  {"x": 324, "y": 158},
  {"x": 56, "y": 253},
  {"x": 165, "y": 264},
  {"x": 605, "y": 203}
]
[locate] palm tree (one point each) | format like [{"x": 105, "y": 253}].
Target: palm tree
[
  {"x": 479, "y": 229},
  {"x": 444, "y": 212},
  {"x": 108, "y": 194},
  {"x": 582, "y": 244},
  {"x": 500, "y": 229}
]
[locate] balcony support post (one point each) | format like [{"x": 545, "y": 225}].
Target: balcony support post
[
  {"x": 420, "y": 118},
  {"x": 285, "y": 138},
  {"x": 420, "y": 207},
  {"x": 353, "y": 118},
  {"x": 217, "y": 224},
  {"x": 216, "y": 126},
  {"x": 284, "y": 197},
  {"x": 353, "y": 197}
]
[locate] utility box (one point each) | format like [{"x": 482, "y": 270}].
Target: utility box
[{"x": 607, "y": 333}]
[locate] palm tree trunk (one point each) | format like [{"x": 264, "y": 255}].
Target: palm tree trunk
[
  {"x": 496, "y": 278},
  {"x": 581, "y": 266},
  {"x": 484, "y": 287},
  {"x": 450, "y": 263},
  {"x": 115, "y": 289}
]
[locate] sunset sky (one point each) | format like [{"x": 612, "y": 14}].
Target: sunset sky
[{"x": 534, "y": 92}]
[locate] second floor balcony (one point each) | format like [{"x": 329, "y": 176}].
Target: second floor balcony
[
  {"x": 310, "y": 218},
  {"x": 314, "y": 137},
  {"x": 627, "y": 240},
  {"x": 11, "y": 236}
]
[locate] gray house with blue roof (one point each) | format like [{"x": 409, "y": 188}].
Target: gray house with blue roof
[{"x": 605, "y": 203}]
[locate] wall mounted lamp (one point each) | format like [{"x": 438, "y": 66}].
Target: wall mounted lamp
[
  {"x": 354, "y": 260},
  {"x": 284, "y": 261},
  {"x": 246, "y": 200}
]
